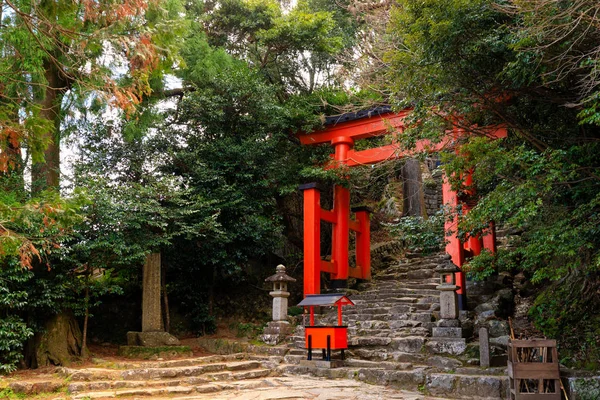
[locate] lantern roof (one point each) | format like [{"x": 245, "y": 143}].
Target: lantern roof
[
  {"x": 331, "y": 299},
  {"x": 280, "y": 276},
  {"x": 447, "y": 266}
]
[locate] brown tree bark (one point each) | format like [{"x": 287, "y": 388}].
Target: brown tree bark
[
  {"x": 46, "y": 174},
  {"x": 414, "y": 199}
]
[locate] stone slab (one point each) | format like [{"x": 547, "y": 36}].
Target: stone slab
[
  {"x": 151, "y": 339},
  {"x": 453, "y": 346},
  {"x": 447, "y": 332},
  {"x": 322, "y": 363},
  {"x": 154, "y": 353},
  {"x": 448, "y": 323}
]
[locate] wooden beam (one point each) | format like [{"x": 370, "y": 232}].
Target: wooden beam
[{"x": 358, "y": 129}]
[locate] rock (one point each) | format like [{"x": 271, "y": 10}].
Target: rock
[
  {"x": 498, "y": 328},
  {"x": 505, "y": 300},
  {"x": 21, "y": 387},
  {"x": 440, "y": 384},
  {"x": 500, "y": 341},
  {"x": 444, "y": 362},
  {"x": 584, "y": 388},
  {"x": 408, "y": 344},
  {"x": 151, "y": 339},
  {"x": 446, "y": 346},
  {"x": 485, "y": 315},
  {"x": 485, "y": 307}
]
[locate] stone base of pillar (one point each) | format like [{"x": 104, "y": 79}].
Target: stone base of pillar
[
  {"x": 151, "y": 339},
  {"x": 275, "y": 332},
  {"x": 155, "y": 353}
]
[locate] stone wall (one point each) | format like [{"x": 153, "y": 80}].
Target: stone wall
[{"x": 432, "y": 186}]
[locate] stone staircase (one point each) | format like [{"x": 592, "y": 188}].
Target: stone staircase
[
  {"x": 191, "y": 376},
  {"x": 390, "y": 342}
]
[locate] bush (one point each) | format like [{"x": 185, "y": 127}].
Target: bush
[
  {"x": 420, "y": 234},
  {"x": 13, "y": 334}
]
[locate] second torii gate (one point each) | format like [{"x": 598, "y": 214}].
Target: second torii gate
[{"x": 341, "y": 133}]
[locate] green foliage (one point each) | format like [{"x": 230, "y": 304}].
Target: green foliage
[
  {"x": 424, "y": 235},
  {"x": 248, "y": 330},
  {"x": 569, "y": 309},
  {"x": 481, "y": 63},
  {"x": 27, "y": 296}
]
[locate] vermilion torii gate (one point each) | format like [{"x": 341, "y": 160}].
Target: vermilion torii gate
[{"x": 342, "y": 134}]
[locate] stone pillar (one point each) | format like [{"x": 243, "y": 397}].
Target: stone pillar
[
  {"x": 151, "y": 306},
  {"x": 484, "y": 348},
  {"x": 280, "y": 303}
]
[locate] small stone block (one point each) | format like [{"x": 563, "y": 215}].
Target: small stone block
[
  {"x": 448, "y": 323},
  {"x": 322, "y": 363},
  {"x": 447, "y": 332}
]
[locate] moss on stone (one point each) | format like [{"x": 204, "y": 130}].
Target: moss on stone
[{"x": 153, "y": 353}]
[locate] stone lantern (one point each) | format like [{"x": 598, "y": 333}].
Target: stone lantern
[
  {"x": 447, "y": 288},
  {"x": 276, "y": 330},
  {"x": 447, "y": 334}
]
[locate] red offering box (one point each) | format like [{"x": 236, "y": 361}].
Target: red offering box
[{"x": 338, "y": 337}]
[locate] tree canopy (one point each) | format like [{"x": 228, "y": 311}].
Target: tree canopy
[{"x": 183, "y": 117}]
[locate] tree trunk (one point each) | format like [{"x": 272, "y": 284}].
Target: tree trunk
[
  {"x": 45, "y": 174},
  {"x": 414, "y": 199},
  {"x": 61, "y": 342}
]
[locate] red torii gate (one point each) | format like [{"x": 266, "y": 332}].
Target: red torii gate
[{"x": 342, "y": 136}]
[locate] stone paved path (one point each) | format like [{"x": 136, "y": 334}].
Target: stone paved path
[{"x": 305, "y": 387}]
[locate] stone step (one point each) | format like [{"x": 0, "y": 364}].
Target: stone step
[
  {"x": 402, "y": 332},
  {"x": 418, "y": 378},
  {"x": 396, "y": 292},
  {"x": 373, "y": 354},
  {"x": 186, "y": 362},
  {"x": 146, "y": 392},
  {"x": 98, "y": 374},
  {"x": 367, "y": 310},
  {"x": 172, "y": 391}
]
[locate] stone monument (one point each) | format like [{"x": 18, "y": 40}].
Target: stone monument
[
  {"x": 153, "y": 336},
  {"x": 279, "y": 328}
]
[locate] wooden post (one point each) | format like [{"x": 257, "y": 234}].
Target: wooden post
[
  {"x": 312, "y": 239},
  {"x": 454, "y": 247},
  {"x": 363, "y": 243}
]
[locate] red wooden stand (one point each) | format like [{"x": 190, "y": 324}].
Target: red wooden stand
[{"x": 326, "y": 338}]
